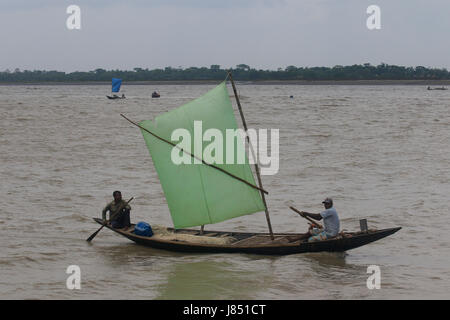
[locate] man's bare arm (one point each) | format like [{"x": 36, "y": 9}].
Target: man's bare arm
[{"x": 315, "y": 216}]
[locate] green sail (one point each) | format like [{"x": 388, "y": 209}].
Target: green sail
[{"x": 198, "y": 194}]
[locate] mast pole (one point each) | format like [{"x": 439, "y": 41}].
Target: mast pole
[{"x": 253, "y": 154}]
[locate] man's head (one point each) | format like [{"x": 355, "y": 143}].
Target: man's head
[
  {"x": 328, "y": 203},
  {"x": 117, "y": 196}
]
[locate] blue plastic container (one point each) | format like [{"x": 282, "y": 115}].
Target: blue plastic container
[{"x": 143, "y": 229}]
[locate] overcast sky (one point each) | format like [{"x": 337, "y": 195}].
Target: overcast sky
[{"x": 265, "y": 34}]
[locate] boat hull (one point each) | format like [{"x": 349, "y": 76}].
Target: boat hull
[
  {"x": 261, "y": 244},
  {"x": 114, "y": 98}
]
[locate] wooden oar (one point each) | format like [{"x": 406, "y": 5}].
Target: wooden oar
[
  {"x": 307, "y": 218},
  {"x": 112, "y": 218}
]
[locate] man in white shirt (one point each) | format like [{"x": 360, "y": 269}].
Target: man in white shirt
[{"x": 330, "y": 221}]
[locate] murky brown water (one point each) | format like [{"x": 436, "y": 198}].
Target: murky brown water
[{"x": 382, "y": 153}]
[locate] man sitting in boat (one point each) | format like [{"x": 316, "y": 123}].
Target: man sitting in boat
[
  {"x": 330, "y": 221},
  {"x": 119, "y": 212}
]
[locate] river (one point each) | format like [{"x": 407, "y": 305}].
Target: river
[{"x": 381, "y": 152}]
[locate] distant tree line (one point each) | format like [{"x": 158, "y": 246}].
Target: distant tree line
[{"x": 241, "y": 72}]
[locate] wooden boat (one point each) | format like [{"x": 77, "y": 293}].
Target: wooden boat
[
  {"x": 202, "y": 193},
  {"x": 115, "y": 97},
  {"x": 115, "y": 88},
  {"x": 255, "y": 243},
  {"x": 437, "y": 88}
]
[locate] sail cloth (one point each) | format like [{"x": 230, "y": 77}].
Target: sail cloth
[
  {"x": 198, "y": 194},
  {"x": 116, "y": 83}
]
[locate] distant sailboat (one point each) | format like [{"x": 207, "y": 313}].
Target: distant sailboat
[{"x": 116, "y": 83}]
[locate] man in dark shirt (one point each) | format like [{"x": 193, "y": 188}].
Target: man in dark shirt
[{"x": 119, "y": 212}]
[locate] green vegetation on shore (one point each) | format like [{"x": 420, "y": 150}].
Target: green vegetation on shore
[{"x": 241, "y": 72}]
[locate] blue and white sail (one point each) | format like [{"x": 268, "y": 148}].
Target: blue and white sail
[{"x": 116, "y": 83}]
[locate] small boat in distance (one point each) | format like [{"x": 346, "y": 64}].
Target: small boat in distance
[
  {"x": 155, "y": 94},
  {"x": 114, "y": 96},
  {"x": 115, "y": 84},
  {"x": 437, "y": 88}
]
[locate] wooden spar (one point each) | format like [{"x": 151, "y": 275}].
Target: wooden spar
[
  {"x": 253, "y": 154},
  {"x": 193, "y": 156}
]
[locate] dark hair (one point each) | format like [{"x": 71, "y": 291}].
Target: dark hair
[{"x": 114, "y": 193}]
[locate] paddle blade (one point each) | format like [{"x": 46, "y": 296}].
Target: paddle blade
[{"x": 94, "y": 234}]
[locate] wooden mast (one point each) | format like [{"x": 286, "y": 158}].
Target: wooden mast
[{"x": 253, "y": 155}]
